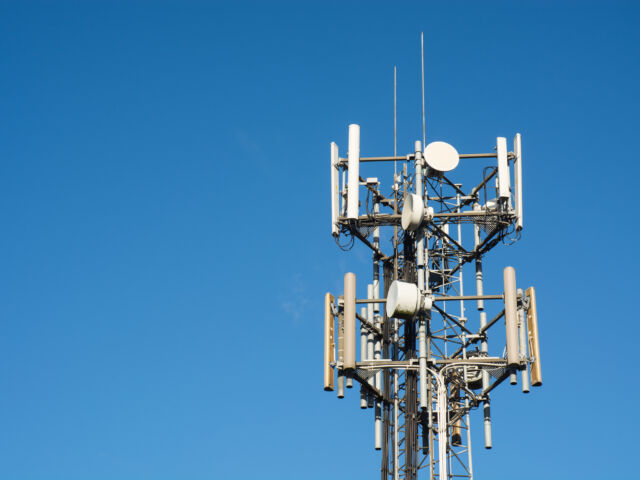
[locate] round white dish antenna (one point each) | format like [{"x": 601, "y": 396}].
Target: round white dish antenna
[
  {"x": 403, "y": 300},
  {"x": 412, "y": 212},
  {"x": 441, "y": 156}
]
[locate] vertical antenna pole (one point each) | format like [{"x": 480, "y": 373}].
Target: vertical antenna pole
[
  {"x": 395, "y": 178},
  {"x": 395, "y": 118},
  {"x": 396, "y": 406},
  {"x": 376, "y": 292},
  {"x": 378, "y": 343},
  {"x": 424, "y": 127},
  {"x": 396, "y": 402},
  {"x": 422, "y": 328}
]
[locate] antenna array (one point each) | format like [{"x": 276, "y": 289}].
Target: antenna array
[{"x": 423, "y": 360}]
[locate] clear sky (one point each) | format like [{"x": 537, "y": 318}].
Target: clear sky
[{"x": 165, "y": 246}]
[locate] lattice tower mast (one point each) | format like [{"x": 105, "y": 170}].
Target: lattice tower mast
[{"x": 421, "y": 337}]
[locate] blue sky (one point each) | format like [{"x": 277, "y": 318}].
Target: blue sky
[{"x": 165, "y": 240}]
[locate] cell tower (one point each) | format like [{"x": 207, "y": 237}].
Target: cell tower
[{"x": 424, "y": 357}]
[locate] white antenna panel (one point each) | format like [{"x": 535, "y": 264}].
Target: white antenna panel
[
  {"x": 349, "y": 353},
  {"x": 441, "y": 156},
  {"x": 517, "y": 149},
  {"x": 504, "y": 182},
  {"x": 511, "y": 316},
  {"x": 335, "y": 190},
  {"x": 343, "y": 200},
  {"x": 353, "y": 184}
]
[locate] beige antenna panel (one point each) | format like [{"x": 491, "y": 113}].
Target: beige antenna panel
[
  {"x": 534, "y": 342},
  {"x": 329, "y": 342}
]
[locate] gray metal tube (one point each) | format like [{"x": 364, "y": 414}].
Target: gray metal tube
[
  {"x": 377, "y": 345},
  {"x": 422, "y": 340},
  {"x": 511, "y": 317},
  {"x": 370, "y": 336},
  {"x": 409, "y": 157},
  {"x": 378, "y": 426},
  {"x": 422, "y": 329},
  {"x": 375, "y": 293},
  {"x": 396, "y": 412},
  {"x": 487, "y": 425},
  {"x": 340, "y": 390},
  {"x": 349, "y": 361},
  {"x": 363, "y": 355},
  {"x": 420, "y": 243}
]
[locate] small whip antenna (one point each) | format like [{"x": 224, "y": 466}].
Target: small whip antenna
[
  {"x": 395, "y": 121},
  {"x": 424, "y": 129}
]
